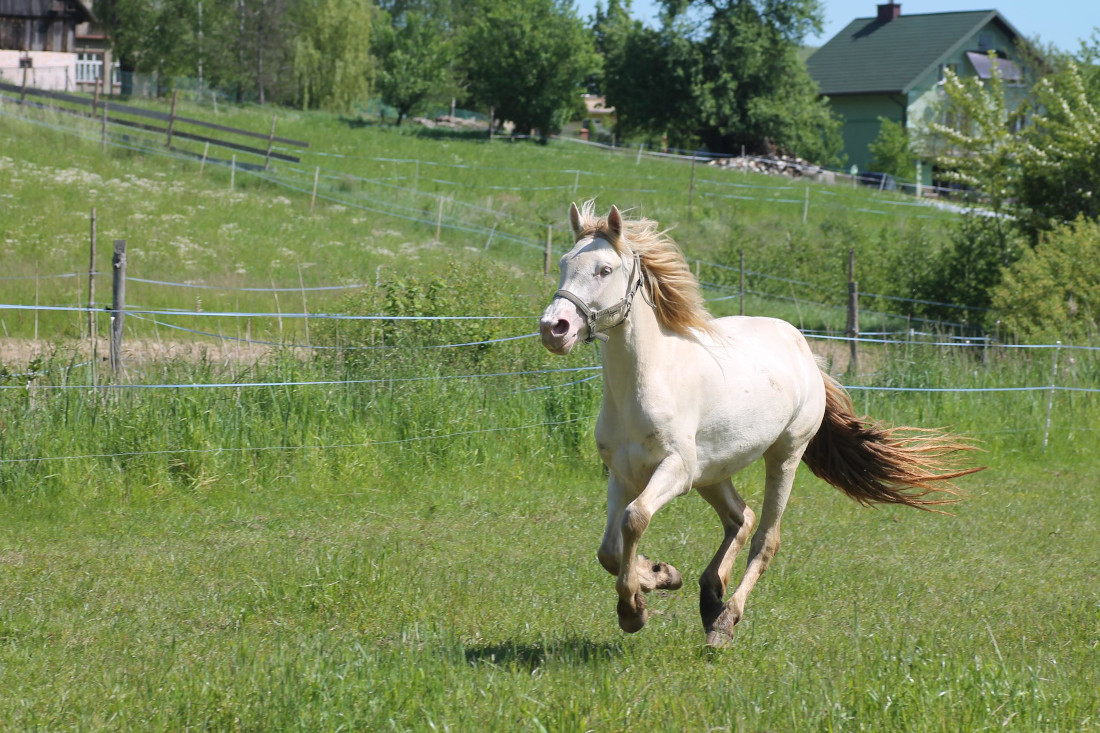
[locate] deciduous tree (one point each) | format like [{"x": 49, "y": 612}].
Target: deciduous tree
[
  {"x": 892, "y": 151},
  {"x": 528, "y": 60},
  {"x": 728, "y": 74},
  {"x": 331, "y": 53},
  {"x": 414, "y": 60}
]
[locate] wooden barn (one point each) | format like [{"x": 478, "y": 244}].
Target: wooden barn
[
  {"x": 38, "y": 44},
  {"x": 41, "y": 25}
]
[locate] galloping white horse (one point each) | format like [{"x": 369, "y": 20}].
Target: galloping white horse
[{"x": 688, "y": 401}]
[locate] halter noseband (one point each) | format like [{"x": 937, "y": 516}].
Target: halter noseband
[{"x": 611, "y": 316}]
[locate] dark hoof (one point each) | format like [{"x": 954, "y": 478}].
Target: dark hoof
[
  {"x": 710, "y": 606},
  {"x": 632, "y": 620},
  {"x": 668, "y": 577},
  {"x": 720, "y": 632}
]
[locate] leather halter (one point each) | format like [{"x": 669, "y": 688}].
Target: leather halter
[{"x": 611, "y": 316}]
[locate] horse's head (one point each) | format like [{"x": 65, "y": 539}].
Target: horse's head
[{"x": 597, "y": 285}]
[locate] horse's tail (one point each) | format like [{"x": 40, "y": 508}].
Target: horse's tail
[{"x": 875, "y": 464}]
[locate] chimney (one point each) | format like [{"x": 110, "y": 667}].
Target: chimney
[{"x": 888, "y": 12}]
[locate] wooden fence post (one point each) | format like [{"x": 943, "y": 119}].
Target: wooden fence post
[
  {"x": 806, "y": 206},
  {"x": 270, "y": 142},
  {"x": 853, "y": 314},
  {"x": 26, "y": 62},
  {"x": 439, "y": 220},
  {"x": 103, "y": 128},
  {"x": 202, "y": 165},
  {"x": 316, "y": 179},
  {"x": 172, "y": 118},
  {"x": 91, "y": 283},
  {"x": 691, "y": 187},
  {"x": 118, "y": 303},
  {"x": 233, "y": 172}
]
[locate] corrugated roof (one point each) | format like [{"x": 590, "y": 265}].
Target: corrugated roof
[{"x": 873, "y": 56}]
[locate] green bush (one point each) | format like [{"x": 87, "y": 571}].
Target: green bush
[
  {"x": 1053, "y": 291},
  {"x": 478, "y": 288},
  {"x": 892, "y": 152},
  {"x": 965, "y": 271}
]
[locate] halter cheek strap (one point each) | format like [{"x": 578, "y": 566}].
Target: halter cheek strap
[{"x": 611, "y": 316}]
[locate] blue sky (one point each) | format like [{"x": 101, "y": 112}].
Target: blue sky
[{"x": 1061, "y": 22}]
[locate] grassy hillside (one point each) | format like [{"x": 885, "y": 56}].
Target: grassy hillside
[{"x": 380, "y": 201}]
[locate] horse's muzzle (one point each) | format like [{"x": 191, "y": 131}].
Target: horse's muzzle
[
  {"x": 556, "y": 336},
  {"x": 558, "y": 329}
]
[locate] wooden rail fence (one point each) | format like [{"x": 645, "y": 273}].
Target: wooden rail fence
[{"x": 109, "y": 111}]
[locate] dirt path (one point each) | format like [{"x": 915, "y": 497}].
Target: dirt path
[{"x": 17, "y": 354}]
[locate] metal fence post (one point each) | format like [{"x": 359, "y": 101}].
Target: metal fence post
[{"x": 1050, "y": 397}]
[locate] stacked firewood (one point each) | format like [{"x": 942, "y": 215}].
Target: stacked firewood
[
  {"x": 777, "y": 165},
  {"x": 449, "y": 122}
]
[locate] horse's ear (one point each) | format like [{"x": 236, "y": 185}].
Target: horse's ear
[
  {"x": 575, "y": 221},
  {"x": 615, "y": 221}
]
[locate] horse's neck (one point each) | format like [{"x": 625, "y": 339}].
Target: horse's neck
[{"x": 633, "y": 352}]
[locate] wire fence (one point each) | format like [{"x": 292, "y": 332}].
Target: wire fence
[{"x": 29, "y": 382}]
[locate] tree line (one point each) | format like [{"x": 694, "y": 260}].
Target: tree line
[{"x": 720, "y": 73}]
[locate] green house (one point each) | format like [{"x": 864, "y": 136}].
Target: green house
[{"x": 892, "y": 66}]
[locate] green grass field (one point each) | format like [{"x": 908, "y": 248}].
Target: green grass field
[{"x": 394, "y": 547}]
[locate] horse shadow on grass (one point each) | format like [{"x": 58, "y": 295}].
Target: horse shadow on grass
[{"x": 572, "y": 650}]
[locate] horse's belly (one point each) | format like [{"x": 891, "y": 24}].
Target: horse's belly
[{"x": 722, "y": 452}]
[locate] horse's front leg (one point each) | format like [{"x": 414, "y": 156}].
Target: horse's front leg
[
  {"x": 636, "y": 574},
  {"x": 651, "y": 575}
]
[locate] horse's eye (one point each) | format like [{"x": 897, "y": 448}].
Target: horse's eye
[{"x": 605, "y": 271}]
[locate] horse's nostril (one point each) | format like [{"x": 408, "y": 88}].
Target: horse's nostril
[{"x": 560, "y": 328}]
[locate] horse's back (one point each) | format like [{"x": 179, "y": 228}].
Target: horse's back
[
  {"x": 759, "y": 338},
  {"x": 768, "y": 362}
]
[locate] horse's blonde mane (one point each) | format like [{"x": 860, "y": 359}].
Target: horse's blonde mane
[{"x": 670, "y": 285}]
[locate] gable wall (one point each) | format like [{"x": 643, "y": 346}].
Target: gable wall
[
  {"x": 926, "y": 95},
  {"x": 861, "y": 114}
]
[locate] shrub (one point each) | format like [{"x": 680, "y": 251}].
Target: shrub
[
  {"x": 463, "y": 289},
  {"x": 892, "y": 152},
  {"x": 1053, "y": 291}
]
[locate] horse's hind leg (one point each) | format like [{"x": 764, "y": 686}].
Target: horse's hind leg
[
  {"x": 780, "y": 463},
  {"x": 737, "y": 522}
]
